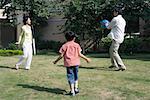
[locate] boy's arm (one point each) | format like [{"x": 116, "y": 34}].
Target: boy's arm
[
  {"x": 60, "y": 57},
  {"x": 84, "y": 57}
]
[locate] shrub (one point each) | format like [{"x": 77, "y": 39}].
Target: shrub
[
  {"x": 131, "y": 45},
  {"x": 53, "y": 45},
  {"x": 145, "y": 45},
  {"x": 105, "y": 43},
  {"x": 12, "y": 46},
  {"x": 10, "y": 52}
]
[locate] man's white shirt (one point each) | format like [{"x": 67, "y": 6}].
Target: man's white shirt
[{"x": 117, "y": 26}]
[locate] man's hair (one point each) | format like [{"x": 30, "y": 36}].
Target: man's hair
[
  {"x": 118, "y": 10},
  {"x": 70, "y": 35},
  {"x": 25, "y": 18}
]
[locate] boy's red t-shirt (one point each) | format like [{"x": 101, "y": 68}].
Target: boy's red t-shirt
[{"x": 71, "y": 52}]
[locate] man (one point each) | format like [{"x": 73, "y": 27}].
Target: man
[{"x": 117, "y": 26}]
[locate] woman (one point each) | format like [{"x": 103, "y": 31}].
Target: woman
[{"x": 25, "y": 40}]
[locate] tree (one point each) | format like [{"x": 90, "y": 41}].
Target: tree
[
  {"x": 83, "y": 18},
  {"x": 133, "y": 10},
  {"x": 39, "y": 10},
  {"x": 4, "y": 2}
]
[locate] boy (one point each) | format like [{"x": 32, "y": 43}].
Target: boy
[{"x": 71, "y": 52}]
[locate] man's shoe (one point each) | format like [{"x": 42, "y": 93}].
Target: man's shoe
[
  {"x": 120, "y": 69},
  {"x": 27, "y": 69},
  {"x": 123, "y": 69},
  {"x": 71, "y": 94},
  {"x": 111, "y": 66}
]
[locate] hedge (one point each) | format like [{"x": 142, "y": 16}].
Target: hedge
[
  {"x": 130, "y": 45},
  {"x": 10, "y": 52}
]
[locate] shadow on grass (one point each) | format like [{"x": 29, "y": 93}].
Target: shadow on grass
[
  {"x": 143, "y": 57},
  {"x": 7, "y": 67},
  {"x": 138, "y": 79},
  {"x": 39, "y": 88},
  {"x": 137, "y": 56},
  {"x": 127, "y": 91},
  {"x": 94, "y": 68},
  {"x": 47, "y": 52},
  {"x": 99, "y": 55},
  {"x": 97, "y": 68}
]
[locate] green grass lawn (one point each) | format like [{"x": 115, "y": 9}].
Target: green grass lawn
[{"x": 46, "y": 81}]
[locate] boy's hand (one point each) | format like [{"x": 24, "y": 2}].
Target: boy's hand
[{"x": 88, "y": 60}]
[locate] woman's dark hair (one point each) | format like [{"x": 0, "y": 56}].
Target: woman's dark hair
[
  {"x": 25, "y": 18},
  {"x": 118, "y": 10},
  {"x": 70, "y": 35}
]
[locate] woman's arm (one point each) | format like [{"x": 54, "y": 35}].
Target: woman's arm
[{"x": 20, "y": 37}]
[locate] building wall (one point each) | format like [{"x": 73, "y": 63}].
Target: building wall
[
  {"x": 0, "y": 35},
  {"x": 7, "y": 33},
  {"x": 142, "y": 25},
  {"x": 52, "y": 30}
]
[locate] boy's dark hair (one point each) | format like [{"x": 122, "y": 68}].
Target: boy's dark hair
[
  {"x": 70, "y": 35},
  {"x": 25, "y": 18},
  {"x": 118, "y": 10}
]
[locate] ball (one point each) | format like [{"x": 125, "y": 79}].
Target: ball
[{"x": 104, "y": 23}]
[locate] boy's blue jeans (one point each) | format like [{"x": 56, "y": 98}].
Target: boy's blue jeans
[{"x": 72, "y": 74}]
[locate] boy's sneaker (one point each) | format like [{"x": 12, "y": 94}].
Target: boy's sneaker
[
  {"x": 71, "y": 94},
  {"x": 76, "y": 91}
]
